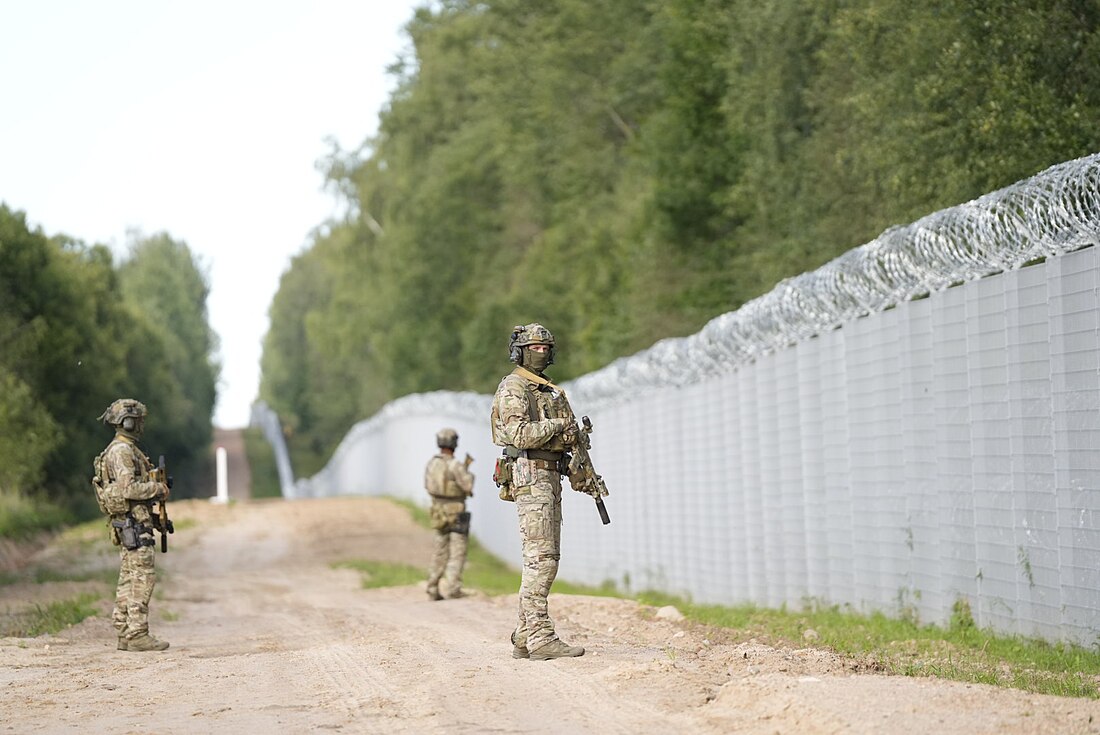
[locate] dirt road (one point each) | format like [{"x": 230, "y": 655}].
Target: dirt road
[{"x": 267, "y": 637}]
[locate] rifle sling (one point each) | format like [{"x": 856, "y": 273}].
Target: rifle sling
[{"x": 536, "y": 378}]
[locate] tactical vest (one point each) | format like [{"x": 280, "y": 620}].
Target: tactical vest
[
  {"x": 110, "y": 501},
  {"x": 546, "y": 404},
  {"x": 541, "y": 404},
  {"x": 439, "y": 481}
]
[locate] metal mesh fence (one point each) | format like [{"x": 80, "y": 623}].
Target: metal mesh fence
[{"x": 943, "y": 445}]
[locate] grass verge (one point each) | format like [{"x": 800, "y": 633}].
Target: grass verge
[
  {"x": 383, "y": 573},
  {"x": 50, "y": 618},
  {"x": 875, "y": 642}
]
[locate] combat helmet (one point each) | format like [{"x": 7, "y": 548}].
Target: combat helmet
[
  {"x": 526, "y": 335},
  {"x": 122, "y": 409},
  {"x": 447, "y": 438}
]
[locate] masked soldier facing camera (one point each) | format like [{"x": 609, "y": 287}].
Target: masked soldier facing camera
[
  {"x": 449, "y": 482},
  {"x": 126, "y": 492},
  {"x": 533, "y": 422}
]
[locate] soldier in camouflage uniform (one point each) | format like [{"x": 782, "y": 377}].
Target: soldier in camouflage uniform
[
  {"x": 126, "y": 493},
  {"x": 532, "y": 420},
  {"x": 449, "y": 482}
]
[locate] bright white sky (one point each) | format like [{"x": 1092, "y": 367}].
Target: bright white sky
[{"x": 201, "y": 119}]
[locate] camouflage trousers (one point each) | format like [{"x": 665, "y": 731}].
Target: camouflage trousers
[
  {"x": 448, "y": 559},
  {"x": 136, "y": 579},
  {"x": 539, "y": 509}
]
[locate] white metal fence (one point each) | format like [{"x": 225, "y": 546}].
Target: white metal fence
[{"x": 843, "y": 439}]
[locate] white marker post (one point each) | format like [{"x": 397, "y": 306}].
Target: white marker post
[{"x": 221, "y": 464}]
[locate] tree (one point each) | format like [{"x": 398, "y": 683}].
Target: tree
[{"x": 166, "y": 290}]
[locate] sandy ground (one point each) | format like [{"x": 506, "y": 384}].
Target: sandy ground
[{"x": 268, "y": 637}]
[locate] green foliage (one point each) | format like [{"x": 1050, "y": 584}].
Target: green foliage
[
  {"x": 625, "y": 171},
  {"x": 27, "y": 434},
  {"x": 962, "y": 619},
  {"x": 166, "y": 289},
  {"x": 261, "y": 462},
  {"x": 72, "y": 339},
  {"x": 21, "y": 517},
  {"x": 50, "y": 618}
]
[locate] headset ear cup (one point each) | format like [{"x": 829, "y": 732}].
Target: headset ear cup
[{"x": 128, "y": 423}]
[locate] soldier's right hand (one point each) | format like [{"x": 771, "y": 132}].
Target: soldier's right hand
[
  {"x": 162, "y": 491},
  {"x": 568, "y": 430}
]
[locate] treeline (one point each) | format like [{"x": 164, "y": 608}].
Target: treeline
[
  {"x": 77, "y": 331},
  {"x": 624, "y": 171}
]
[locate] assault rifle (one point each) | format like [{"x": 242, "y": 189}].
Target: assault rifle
[
  {"x": 161, "y": 521},
  {"x": 582, "y": 475}
]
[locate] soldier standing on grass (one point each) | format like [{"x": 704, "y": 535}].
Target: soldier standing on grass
[
  {"x": 449, "y": 482},
  {"x": 126, "y": 492},
  {"x": 532, "y": 420}
]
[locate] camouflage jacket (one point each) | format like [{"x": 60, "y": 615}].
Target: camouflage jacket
[
  {"x": 122, "y": 480},
  {"x": 528, "y": 415},
  {"x": 447, "y": 478}
]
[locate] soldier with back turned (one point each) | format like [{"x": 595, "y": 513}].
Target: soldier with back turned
[{"x": 449, "y": 482}]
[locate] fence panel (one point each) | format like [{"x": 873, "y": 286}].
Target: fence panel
[{"x": 913, "y": 428}]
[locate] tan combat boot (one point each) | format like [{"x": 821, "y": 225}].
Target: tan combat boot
[
  {"x": 121, "y": 643},
  {"x": 145, "y": 642},
  {"x": 519, "y": 648},
  {"x": 555, "y": 649}
]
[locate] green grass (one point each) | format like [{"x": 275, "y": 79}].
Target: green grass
[
  {"x": 181, "y": 525},
  {"x": 261, "y": 462},
  {"x": 486, "y": 572},
  {"x": 418, "y": 513},
  {"x": 50, "y": 618},
  {"x": 875, "y": 642},
  {"x": 43, "y": 575},
  {"x": 382, "y": 573},
  {"x": 483, "y": 571}
]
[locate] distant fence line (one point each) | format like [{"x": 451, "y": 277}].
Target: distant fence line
[
  {"x": 267, "y": 421},
  {"x": 944, "y": 448}
]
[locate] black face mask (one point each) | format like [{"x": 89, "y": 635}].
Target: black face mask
[
  {"x": 137, "y": 428},
  {"x": 537, "y": 361}
]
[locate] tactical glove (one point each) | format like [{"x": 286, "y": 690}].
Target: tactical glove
[{"x": 568, "y": 431}]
